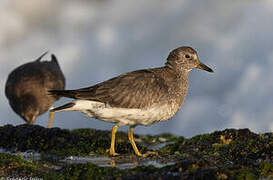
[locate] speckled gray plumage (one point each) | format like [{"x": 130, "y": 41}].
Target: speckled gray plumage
[
  {"x": 27, "y": 87},
  {"x": 141, "y": 89},
  {"x": 137, "y": 89}
]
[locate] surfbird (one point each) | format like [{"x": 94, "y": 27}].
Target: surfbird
[
  {"x": 141, "y": 97},
  {"x": 27, "y": 88}
]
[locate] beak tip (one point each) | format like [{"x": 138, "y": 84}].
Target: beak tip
[{"x": 204, "y": 67}]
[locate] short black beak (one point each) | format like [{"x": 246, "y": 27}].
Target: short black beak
[{"x": 204, "y": 67}]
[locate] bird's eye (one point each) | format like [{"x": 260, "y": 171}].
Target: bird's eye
[{"x": 187, "y": 56}]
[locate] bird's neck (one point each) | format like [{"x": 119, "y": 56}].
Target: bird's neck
[
  {"x": 178, "y": 72},
  {"x": 178, "y": 84}
]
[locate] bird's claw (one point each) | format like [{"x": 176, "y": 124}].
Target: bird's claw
[
  {"x": 112, "y": 152},
  {"x": 148, "y": 153}
]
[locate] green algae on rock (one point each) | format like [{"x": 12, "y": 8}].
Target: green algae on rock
[
  {"x": 241, "y": 154},
  {"x": 227, "y": 154},
  {"x": 59, "y": 142},
  {"x": 14, "y": 165}
]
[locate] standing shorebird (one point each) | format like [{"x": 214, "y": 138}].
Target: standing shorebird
[
  {"x": 140, "y": 97},
  {"x": 27, "y": 88}
]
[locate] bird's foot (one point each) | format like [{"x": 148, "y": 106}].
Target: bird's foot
[
  {"x": 148, "y": 153},
  {"x": 112, "y": 152}
]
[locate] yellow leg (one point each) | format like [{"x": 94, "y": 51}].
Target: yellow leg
[
  {"x": 112, "y": 147},
  {"x": 51, "y": 117},
  {"x": 132, "y": 141}
]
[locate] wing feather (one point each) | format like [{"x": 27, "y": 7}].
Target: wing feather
[{"x": 137, "y": 89}]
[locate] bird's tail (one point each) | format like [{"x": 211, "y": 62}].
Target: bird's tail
[
  {"x": 63, "y": 93},
  {"x": 65, "y": 107}
]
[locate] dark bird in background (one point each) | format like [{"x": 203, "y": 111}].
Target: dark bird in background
[
  {"x": 27, "y": 88},
  {"x": 141, "y": 97}
]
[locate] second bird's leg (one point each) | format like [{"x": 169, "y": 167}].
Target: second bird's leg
[
  {"x": 132, "y": 141},
  {"x": 113, "y": 137},
  {"x": 51, "y": 117}
]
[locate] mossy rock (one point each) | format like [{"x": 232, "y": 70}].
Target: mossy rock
[
  {"x": 227, "y": 154},
  {"x": 15, "y": 165},
  {"x": 61, "y": 142}
]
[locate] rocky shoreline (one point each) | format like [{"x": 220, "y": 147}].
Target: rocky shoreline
[{"x": 81, "y": 154}]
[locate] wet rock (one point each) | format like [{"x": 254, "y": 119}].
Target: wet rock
[
  {"x": 227, "y": 154},
  {"x": 60, "y": 142}
]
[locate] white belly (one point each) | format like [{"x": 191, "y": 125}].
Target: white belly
[{"x": 122, "y": 115}]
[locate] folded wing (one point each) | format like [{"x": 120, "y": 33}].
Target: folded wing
[{"x": 130, "y": 90}]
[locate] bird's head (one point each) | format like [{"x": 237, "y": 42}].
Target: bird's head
[
  {"x": 28, "y": 108},
  {"x": 185, "y": 58}
]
